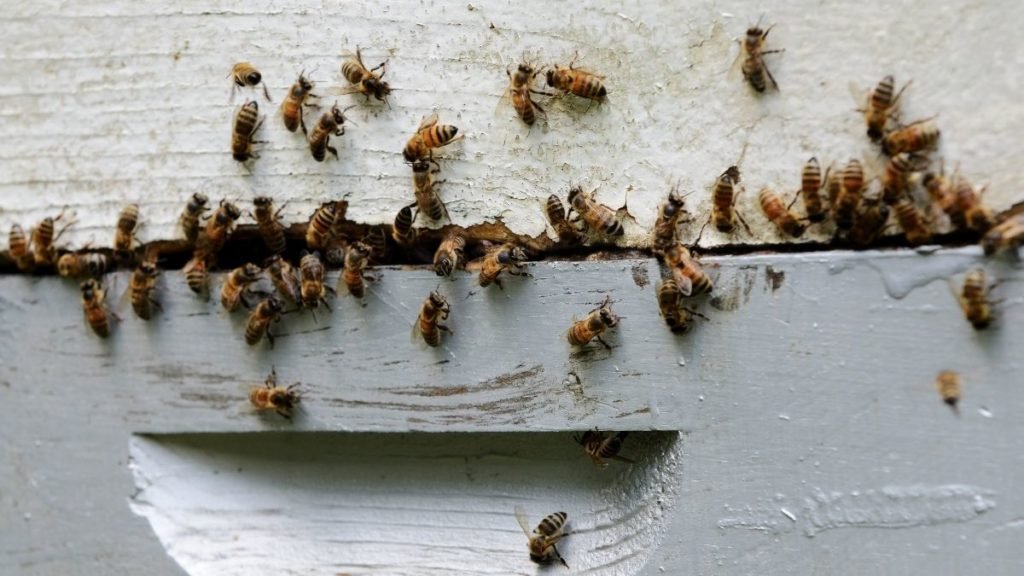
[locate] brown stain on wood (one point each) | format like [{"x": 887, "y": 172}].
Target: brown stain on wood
[
  {"x": 774, "y": 277},
  {"x": 497, "y": 383},
  {"x": 639, "y": 272}
]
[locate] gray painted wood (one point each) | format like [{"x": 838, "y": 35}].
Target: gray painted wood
[{"x": 812, "y": 438}]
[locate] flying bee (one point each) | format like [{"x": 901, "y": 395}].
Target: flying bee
[
  {"x": 331, "y": 123},
  {"x": 283, "y": 277},
  {"x": 601, "y": 447},
  {"x": 247, "y": 122},
  {"x": 555, "y": 211},
  {"x": 82, "y": 265},
  {"x": 141, "y": 287},
  {"x": 353, "y": 274},
  {"x": 850, "y": 193},
  {"x": 320, "y": 230},
  {"x": 18, "y": 243},
  {"x": 271, "y": 396},
  {"x": 869, "y": 223},
  {"x": 916, "y": 137},
  {"x": 428, "y": 324},
  {"x": 690, "y": 278},
  {"x": 450, "y": 253},
  {"x": 670, "y": 305},
  {"x": 244, "y": 75},
  {"x": 196, "y": 273},
  {"x": 189, "y": 219},
  {"x": 1007, "y": 235},
  {"x": 544, "y": 537},
  {"x": 96, "y": 313},
  {"x": 598, "y": 321},
  {"x": 974, "y": 299},
  {"x": 429, "y": 135},
  {"x": 44, "y": 238},
  {"x": 402, "y": 231},
  {"x": 269, "y": 223},
  {"x": 291, "y": 106},
  {"x": 915, "y": 227},
  {"x": 666, "y": 227},
  {"x": 311, "y": 275},
  {"x": 810, "y": 191},
  {"x": 577, "y": 81},
  {"x": 427, "y": 200},
  {"x": 752, "y": 55},
  {"x": 594, "y": 215},
  {"x": 881, "y": 105},
  {"x": 968, "y": 202},
  {"x": 124, "y": 234},
  {"x": 779, "y": 215},
  {"x": 948, "y": 385},
  {"x": 364, "y": 80},
  {"x": 520, "y": 86},
  {"x": 217, "y": 230},
  {"x": 236, "y": 285},
  {"x": 507, "y": 257},
  {"x": 258, "y": 326}
]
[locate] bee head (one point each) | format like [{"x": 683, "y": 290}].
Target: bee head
[
  {"x": 262, "y": 201},
  {"x": 575, "y": 193},
  {"x": 253, "y": 78},
  {"x": 305, "y": 84},
  {"x": 420, "y": 165},
  {"x": 275, "y": 304},
  {"x": 874, "y": 133},
  {"x": 199, "y": 199},
  {"x": 550, "y": 75},
  {"x": 437, "y": 300},
  {"x": 148, "y": 268},
  {"x": 228, "y": 212},
  {"x": 443, "y": 267},
  {"x": 89, "y": 289}
]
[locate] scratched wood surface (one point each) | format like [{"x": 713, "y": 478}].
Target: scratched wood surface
[
  {"x": 112, "y": 102},
  {"x": 809, "y": 424}
]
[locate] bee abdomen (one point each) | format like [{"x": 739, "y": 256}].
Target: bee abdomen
[
  {"x": 552, "y": 523},
  {"x": 352, "y": 71},
  {"x": 254, "y": 332}
]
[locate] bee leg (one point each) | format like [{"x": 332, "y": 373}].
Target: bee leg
[
  {"x": 770, "y": 77},
  {"x": 444, "y": 328},
  {"x": 603, "y": 343},
  {"x": 267, "y": 93},
  {"x": 742, "y": 221},
  {"x": 326, "y": 304},
  {"x": 332, "y": 150},
  {"x": 156, "y": 303},
  {"x": 302, "y": 123},
  {"x": 559, "y": 556},
  {"x": 283, "y": 412}
]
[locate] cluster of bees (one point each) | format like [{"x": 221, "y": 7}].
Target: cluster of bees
[{"x": 859, "y": 204}]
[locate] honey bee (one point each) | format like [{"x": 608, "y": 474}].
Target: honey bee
[
  {"x": 594, "y": 215},
  {"x": 895, "y": 179},
  {"x": 189, "y": 219},
  {"x": 810, "y": 191},
  {"x": 269, "y": 223},
  {"x": 331, "y": 123},
  {"x": 215, "y": 234},
  {"x": 507, "y": 257},
  {"x": 600, "y": 446},
  {"x": 236, "y": 285},
  {"x": 402, "y": 231},
  {"x": 19, "y": 246},
  {"x": 428, "y": 326},
  {"x": 968, "y": 202},
  {"x": 544, "y": 537},
  {"x": 974, "y": 299},
  {"x": 141, "y": 287},
  {"x": 870, "y": 222},
  {"x": 880, "y": 106},
  {"x": 429, "y": 135},
  {"x": 377, "y": 240},
  {"x": 596, "y": 323},
  {"x": 353, "y": 274},
  {"x": 320, "y": 230},
  {"x": 577, "y": 81},
  {"x": 666, "y": 227},
  {"x": 752, "y": 57},
  {"x": 247, "y": 122},
  {"x": 948, "y": 384},
  {"x": 941, "y": 191},
  {"x": 916, "y": 137},
  {"x": 291, "y": 106},
  {"x": 363, "y": 80},
  {"x": 245, "y": 74},
  {"x": 284, "y": 278},
  {"x": 723, "y": 202},
  {"x": 280, "y": 399},
  {"x": 81, "y": 265},
  {"x": 311, "y": 274},
  {"x": 915, "y": 227},
  {"x": 688, "y": 275},
  {"x": 1007, "y": 235},
  {"x": 44, "y": 239},
  {"x": 450, "y": 254},
  {"x": 96, "y": 313},
  {"x": 196, "y": 274},
  {"x": 427, "y": 200},
  {"x": 779, "y": 215},
  {"x": 127, "y": 222},
  {"x": 670, "y": 304},
  {"x": 834, "y": 184},
  {"x": 258, "y": 326},
  {"x": 850, "y": 194},
  {"x": 555, "y": 211},
  {"x": 520, "y": 86}
]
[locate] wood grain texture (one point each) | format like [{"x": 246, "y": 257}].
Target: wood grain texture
[
  {"x": 809, "y": 393},
  {"x": 109, "y": 103}
]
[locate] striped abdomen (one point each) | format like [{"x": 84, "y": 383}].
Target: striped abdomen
[
  {"x": 318, "y": 232},
  {"x": 353, "y": 71},
  {"x": 810, "y": 191},
  {"x": 753, "y": 71},
  {"x": 427, "y": 201},
  {"x": 18, "y": 244},
  {"x": 585, "y": 330},
  {"x": 196, "y": 275},
  {"x": 894, "y": 182},
  {"x": 913, "y": 223},
  {"x": 246, "y": 121},
  {"x": 552, "y": 524},
  {"x": 669, "y": 304},
  {"x": 439, "y": 135},
  {"x": 721, "y": 203},
  {"x": 912, "y": 138},
  {"x": 270, "y": 228},
  {"x": 779, "y": 215},
  {"x": 42, "y": 240},
  {"x": 976, "y": 306},
  {"x": 402, "y": 231}
]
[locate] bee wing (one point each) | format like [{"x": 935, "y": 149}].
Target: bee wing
[
  {"x": 523, "y": 522},
  {"x": 428, "y": 121},
  {"x": 505, "y": 102},
  {"x": 416, "y": 336},
  {"x": 735, "y": 67},
  {"x": 343, "y": 90},
  {"x": 122, "y": 302},
  {"x": 684, "y": 283},
  {"x": 860, "y": 94},
  {"x": 623, "y": 459},
  {"x": 340, "y": 287}
]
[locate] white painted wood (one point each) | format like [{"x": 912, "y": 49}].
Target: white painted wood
[
  {"x": 813, "y": 400},
  {"x": 106, "y": 103}
]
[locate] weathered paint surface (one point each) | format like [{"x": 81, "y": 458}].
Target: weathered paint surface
[
  {"x": 106, "y": 103},
  {"x": 806, "y": 407}
]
